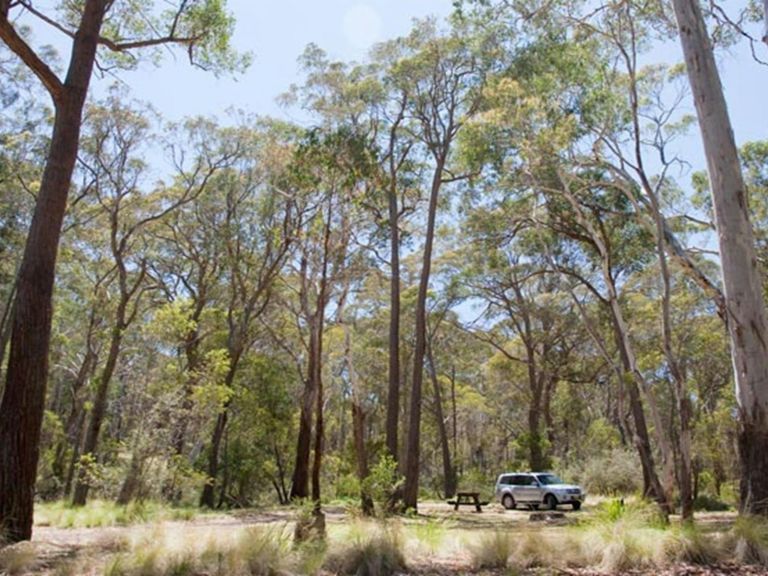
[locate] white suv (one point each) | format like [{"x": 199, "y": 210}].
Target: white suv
[{"x": 536, "y": 488}]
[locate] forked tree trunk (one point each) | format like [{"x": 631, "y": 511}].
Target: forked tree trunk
[
  {"x": 358, "y": 426},
  {"x": 394, "y": 388},
  {"x": 413, "y": 454},
  {"x": 99, "y": 410},
  {"x": 208, "y": 495},
  {"x": 393, "y": 392},
  {"x": 449, "y": 471},
  {"x": 741, "y": 278},
  {"x": 72, "y": 426},
  {"x": 301, "y": 471}
]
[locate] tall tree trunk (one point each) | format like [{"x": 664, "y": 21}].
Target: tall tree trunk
[
  {"x": 641, "y": 438},
  {"x": 192, "y": 352},
  {"x": 633, "y": 379},
  {"x": 77, "y": 445},
  {"x": 132, "y": 481},
  {"x": 449, "y": 472},
  {"x": 680, "y": 388},
  {"x": 73, "y": 424},
  {"x": 413, "y": 454},
  {"x": 317, "y": 375},
  {"x": 361, "y": 454},
  {"x": 99, "y": 410},
  {"x": 23, "y": 403},
  {"x": 301, "y": 471},
  {"x": 393, "y": 393},
  {"x": 358, "y": 426},
  {"x": 741, "y": 278},
  {"x": 208, "y": 495}
]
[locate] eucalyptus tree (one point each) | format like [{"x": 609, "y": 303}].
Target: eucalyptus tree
[
  {"x": 24, "y": 119},
  {"x": 445, "y": 76},
  {"x": 258, "y": 226},
  {"x": 331, "y": 167},
  {"x": 371, "y": 100},
  {"x": 112, "y": 33},
  {"x": 116, "y": 182},
  {"x": 532, "y": 325}
]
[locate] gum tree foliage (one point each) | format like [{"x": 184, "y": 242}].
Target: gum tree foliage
[{"x": 111, "y": 34}]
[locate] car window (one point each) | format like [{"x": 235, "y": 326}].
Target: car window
[
  {"x": 506, "y": 479},
  {"x": 549, "y": 479},
  {"x": 524, "y": 480}
]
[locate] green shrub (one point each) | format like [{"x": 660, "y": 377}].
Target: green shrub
[
  {"x": 383, "y": 483},
  {"x": 710, "y": 504},
  {"x": 615, "y": 472}
]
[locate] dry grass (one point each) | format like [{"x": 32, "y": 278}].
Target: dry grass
[
  {"x": 255, "y": 551},
  {"x": 18, "y": 558},
  {"x": 492, "y": 551},
  {"x": 612, "y": 539},
  {"x": 101, "y": 513},
  {"x": 749, "y": 540},
  {"x": 372, "y": 550}
]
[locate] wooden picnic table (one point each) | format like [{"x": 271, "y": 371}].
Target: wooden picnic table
[{"x": 468, "y": 499}]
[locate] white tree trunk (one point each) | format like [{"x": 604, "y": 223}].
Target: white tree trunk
[
  {"x": 765, "y": 21},
  {"x": 741, "y": 280}
]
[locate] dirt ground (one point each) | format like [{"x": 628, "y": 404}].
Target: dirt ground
[{"x": 54, "y": 547}]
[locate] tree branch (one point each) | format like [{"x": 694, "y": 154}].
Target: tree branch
[{"x": 18, "y": 46}]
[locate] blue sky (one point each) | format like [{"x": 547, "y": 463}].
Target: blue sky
[{"x": 277, "y": 32}]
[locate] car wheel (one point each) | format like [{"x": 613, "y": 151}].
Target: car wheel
[
  {"x": 508, "y": 502},
  {"x": 577, "y": 505},
  {"x": 550, "y": 502}
]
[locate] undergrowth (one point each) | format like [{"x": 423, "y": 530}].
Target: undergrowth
[{"x": 100, "y": 513}]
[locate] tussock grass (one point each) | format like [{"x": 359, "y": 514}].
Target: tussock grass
[
  {"x": 749, "y": 540},
  {"x": 253, "y": 552},
  {"x": 371, "y": 550},
  {"x": 101, "y": 513},
  {"x": 429, "y": 535},
  {"x": 538, "y": 551},
  {"x": 689, "y": 544},
  {"x": 493, "y": 551},
  {"x": 18, "y": 558}
]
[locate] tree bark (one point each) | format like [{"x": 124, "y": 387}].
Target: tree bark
[
  {"x": 449, "y": 472},
  {"x": 412, "y": 462},
  {"x": 99, "y": 410},
  {"x": 208, "y": 495},
  {"x": 23, "y": 403},
  {"x": 393, "y": 393},
  {"x": 301, "y": 471},
  {"x": 741, "y": 278},
  {"x": 73, "y": 424}
]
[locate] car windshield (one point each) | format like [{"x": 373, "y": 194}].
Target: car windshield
[{"x": 548, "y": 479}]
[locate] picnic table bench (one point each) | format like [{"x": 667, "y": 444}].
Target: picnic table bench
[{"x": 468, "y": 499}]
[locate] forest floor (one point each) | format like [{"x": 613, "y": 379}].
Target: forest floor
[{"x": 437, "y": 541}]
